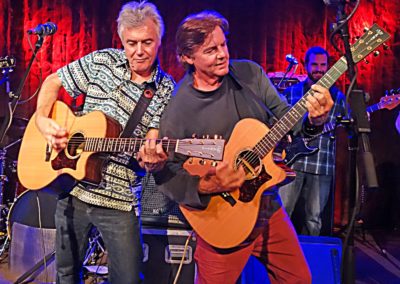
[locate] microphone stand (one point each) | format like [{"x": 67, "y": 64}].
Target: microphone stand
[
  {"x": 290, "y": 66},
  {"x": 6, "y": 124},
  {"x": 15, "y": 97},
  {"x": 358, "y": 136}
]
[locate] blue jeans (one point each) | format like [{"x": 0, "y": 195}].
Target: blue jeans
[
  {"x": 120, "y": 231},
  {"x": 314, "y": 190}
]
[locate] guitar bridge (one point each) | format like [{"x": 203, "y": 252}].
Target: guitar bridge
[{"x": 48, "y": 152}]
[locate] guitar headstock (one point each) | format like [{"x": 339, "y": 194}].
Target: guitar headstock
[
  {"x": 212, "y": 149},
  {"x": 368, "y": 42},
  {"x": 390, "y": 102},
  {"x": 7, "y": 62}
]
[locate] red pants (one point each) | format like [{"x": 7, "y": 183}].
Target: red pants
[{"x": 276, "y": 246}]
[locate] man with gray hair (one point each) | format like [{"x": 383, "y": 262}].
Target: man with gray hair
[{"x": 112, "y": 81}]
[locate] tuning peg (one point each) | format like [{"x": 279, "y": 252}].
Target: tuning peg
[
  {"x": 356, "y": 38},
  {"x": 202, "y": 162},
  {"x": 214, "y": 164},
  {"x": 392, "y": 91},
  {"x": 216, "y": 136},
  {"x": 385, "y": 46},
  {"x": 386, "y": 92},
  {"x": 190, "y": 160},
  {"x": 366, "y": 29},
  {"x": 366, "y": 61},
  {"x": 376, "y": 53},
  {"x": 194, "y": 135}
]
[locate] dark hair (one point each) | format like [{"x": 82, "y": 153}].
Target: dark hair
[
  {"x": 193, "y": 31},
  {"x": 315, "y": 50}
]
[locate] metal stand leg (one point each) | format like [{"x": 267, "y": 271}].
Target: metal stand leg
[
  {"x": 4, "y": 246},
  {"x": 94, "y": 248}
]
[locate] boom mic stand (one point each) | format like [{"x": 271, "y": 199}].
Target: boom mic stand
[
  {"x": 15, "y": 97},
  {"x": 358, "y": 140},
  {"x": 3, "y": 130}
]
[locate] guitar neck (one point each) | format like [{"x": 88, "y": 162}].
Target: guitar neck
[
  {"x": 296, "y": 113},
  {"x": 328, "y": 127},
  {"x": 374, "y": 107},
  {"x": 120, "y": 144}
]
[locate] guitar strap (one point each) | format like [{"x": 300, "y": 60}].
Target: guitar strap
[
  {"x": 137, "y": 114},
  {"x": 141, "y": 106}
]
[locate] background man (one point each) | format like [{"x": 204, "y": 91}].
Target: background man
[{"x": 314, "y": 173}]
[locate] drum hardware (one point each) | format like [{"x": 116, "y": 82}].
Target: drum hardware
[
  {"x": 94, "y": 254},
  {"x": 3, "y": 179}
]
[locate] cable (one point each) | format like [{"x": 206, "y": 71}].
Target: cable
[
  {"x": 42, "y": 235},
  {"x": 40, "y": 77},
  {"x": 336, "y": 30},
  {"x": 183, "y": 258},
  {"x": 351, "y": 224}
]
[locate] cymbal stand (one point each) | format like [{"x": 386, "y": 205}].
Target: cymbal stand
[
  {"x": 3, "y": 207},
  {"x": 95, "y": 247},
  {"x": 3, "y": 179}
]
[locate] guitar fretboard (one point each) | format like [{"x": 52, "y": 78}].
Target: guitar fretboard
[
  {"x": 296, "y": 113},
  {"x": 119, "y": 144}
]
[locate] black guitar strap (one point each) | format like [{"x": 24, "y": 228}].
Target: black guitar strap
[{"x": 137, "y": 113}]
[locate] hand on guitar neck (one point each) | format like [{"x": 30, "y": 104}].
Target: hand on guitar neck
[{"x": 151, "y": 155}]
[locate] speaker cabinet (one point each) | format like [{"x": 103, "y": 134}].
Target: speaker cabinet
[
  {"x": 163, "y": 251},
  {"x": 323, "y": 255}
]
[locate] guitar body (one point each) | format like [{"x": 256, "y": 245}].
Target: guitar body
[
  {"x": 38, "y": 166},
  {"x": 298, "y": 148},
  {"x": 221, "y": 224}
]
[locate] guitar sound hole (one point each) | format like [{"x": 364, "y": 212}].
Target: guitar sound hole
[
  {"x": 250, "y": 162},
  {"x": 75, "y": 145}
]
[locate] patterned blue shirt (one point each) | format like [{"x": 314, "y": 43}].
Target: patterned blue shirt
[
  {"x": 323, "y": 161},
  {"x": 104, "y": 78}
]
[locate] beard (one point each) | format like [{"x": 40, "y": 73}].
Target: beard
[{"x": 315, "y": 76}]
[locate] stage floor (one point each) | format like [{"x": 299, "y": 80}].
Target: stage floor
[{"x": 377, "y": 258}]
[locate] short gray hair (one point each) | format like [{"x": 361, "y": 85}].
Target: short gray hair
[{"x": 133, "y": 14}]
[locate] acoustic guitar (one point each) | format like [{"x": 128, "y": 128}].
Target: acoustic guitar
[
  {"x": 229, "y": 218},
  {"x": 90, "y": 136}
]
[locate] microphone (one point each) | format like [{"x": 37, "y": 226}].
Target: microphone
[
  {"x": 291, "y": 59},
  {"x": 46, "y": 29}
]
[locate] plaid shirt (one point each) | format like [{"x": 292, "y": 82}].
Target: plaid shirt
[
  {"x": 104, "y": 77},
  {"x": 323, "y": 161}
]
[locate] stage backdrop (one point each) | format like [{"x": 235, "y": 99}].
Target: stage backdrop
[{"x": 260, "y": 30}]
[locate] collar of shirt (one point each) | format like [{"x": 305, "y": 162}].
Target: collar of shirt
[{"x": 157, "y": 73}]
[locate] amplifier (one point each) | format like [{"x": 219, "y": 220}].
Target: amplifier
[
  {"x": 157, "y": 209},
  {"x": 164, "y": 250}
]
